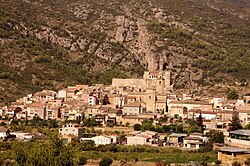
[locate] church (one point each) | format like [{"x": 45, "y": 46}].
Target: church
[{"x": 160, "y": 80}]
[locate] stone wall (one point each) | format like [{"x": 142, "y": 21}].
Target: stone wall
[{"x": 138, "y": 83}]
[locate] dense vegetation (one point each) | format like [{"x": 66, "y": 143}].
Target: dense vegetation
[
  {"x": 227, "y": 56},
  {"x": 54, "y": 152}
]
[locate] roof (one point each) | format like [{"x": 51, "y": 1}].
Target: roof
[
  {"x": 136, "y": 93},
  {"x": 208, "y": 112},
  {"x": 37, "y": 105},
  {"x": 199, "y": 102},
  {"x": 233, "y": 150},
  {"x": 195, "y": 142},
  {"x": 243, "y": 110},
  {"x": 196, "y": 134},
  {"x": 178, "y": 135},
  {"x": 3, "y": 129},
  {"x": 133, "y": 105},
  {"x": 161, "y": 101},
  {"x": 133, "y": 117},
  {"x": 102, "y": 136},
  {"x": 131, "y": 97},
  {"x": 241, "y": 132},
  {"x": 225, "y": 112},
  {"x": 137, "y": 136},
  {"x": 192, "y": 138}
]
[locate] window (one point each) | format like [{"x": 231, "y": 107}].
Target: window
[{"x": 149, "y": 97}]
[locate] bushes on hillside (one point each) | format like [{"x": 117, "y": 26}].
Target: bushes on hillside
[{"x": 106, "y": 161}]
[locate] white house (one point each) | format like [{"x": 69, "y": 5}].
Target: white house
[
  {"x": 62, "y": 94},
  {"x": 71, "y": 129},
  {"x": 192, "y": 142},
  {"x": 100, "y": 140},
  {"x": 137, "y": 140}
]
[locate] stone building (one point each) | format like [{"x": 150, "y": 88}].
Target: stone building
[
  {"x": 158, "y": 79},
  {"x": 230, "y": 155}
]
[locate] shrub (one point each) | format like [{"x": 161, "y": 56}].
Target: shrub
[
  {"x": 137, "y": 127},
  {"x": 232, "y": 95},
  {"x": 236, "y": 163},
  {"x": 166, "y": 128},
  {"x": 3, "y": 124},
  {"x": 217, "y": 162},
  {"x": 247, "y": 162},
  {"x": 82, "y": 161},
  {"x": 204, "y": 163},
  {"x": 106, "y": 161},
  {"x": 127, "y": 124}
]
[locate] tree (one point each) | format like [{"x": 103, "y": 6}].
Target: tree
[
  {"x": 162, "y": 119},
  {"x": 82, "y": 160},
  {"x": 193, "y": 129},
  {"x": 179, "y": 129},
  {"x": 106, "y": 161},
  {"x": 204, "y": 163},
  {"x": 146, "y": 125},
  {"x": 200, "y": 123},
  {"x": 127, "y": 124},
  {"x": 14, "y": 122},
  {"x": 235, "y": 123},
  {"x": 232, "y": 95},
  {"x": 105, "y": 100},
  {"x": 247, "y": 162},
  {"x": 158, "y": 129},
  {"x": 217, "y": 162},
  {"x": 236, "y": 163},
  {"x": 176, "y": 116},
  {"x": 3, "y": 124},
  {"x": 137, "y": 127},
  {"x": 247, "y": 127},
  {"x": 166, "y": 128},
  {"x": 215, "y": 136}
]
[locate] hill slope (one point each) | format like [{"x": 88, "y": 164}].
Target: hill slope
[{"x": 51, "y": 44}]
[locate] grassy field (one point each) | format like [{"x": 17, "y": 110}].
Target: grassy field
[{"x": 164, "y": 154}]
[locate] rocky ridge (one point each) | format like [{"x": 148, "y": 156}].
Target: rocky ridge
[{"x": 133, "y": 35}]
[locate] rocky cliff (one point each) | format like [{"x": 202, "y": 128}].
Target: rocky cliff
[{"x": 203, "y": 42}]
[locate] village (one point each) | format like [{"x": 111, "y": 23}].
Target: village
[{"x": 144, "y": 110}]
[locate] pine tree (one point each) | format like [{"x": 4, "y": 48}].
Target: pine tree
[
  {"x": 200, "y": 123},
  {"x": 235, "y": 123},
  {"x": 105, "y": 100}
]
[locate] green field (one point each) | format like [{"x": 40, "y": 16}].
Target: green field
[{"x": 164, "y": 154}]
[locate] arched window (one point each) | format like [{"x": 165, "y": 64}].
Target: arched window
[{"x": 185, "y": 110}]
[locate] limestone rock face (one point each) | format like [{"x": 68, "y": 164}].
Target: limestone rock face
[
  {"x": 82, "y": 43},
  {"x": 119, "y": 33}
]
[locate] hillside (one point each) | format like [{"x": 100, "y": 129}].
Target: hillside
[{"x": 51, "y": 44}]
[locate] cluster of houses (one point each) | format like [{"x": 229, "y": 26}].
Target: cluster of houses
[
  {"x": 6, "y": 134},
  {"x": 131, "y": 101},
  {"x": 237, "y": 149},
  {"x": 125, "y": 107},
  {"x": 127, "y": 103}
]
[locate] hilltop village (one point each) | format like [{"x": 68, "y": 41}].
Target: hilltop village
[{"x": 144, "y": 110}]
